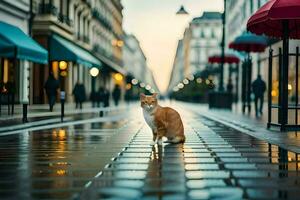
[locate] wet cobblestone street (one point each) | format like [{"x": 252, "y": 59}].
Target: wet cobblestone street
[
  {"x": 116, "y": 161},
  {"x": 215, "y": 163}
]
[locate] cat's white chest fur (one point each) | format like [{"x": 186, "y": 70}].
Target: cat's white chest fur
[{"x": 149, "y": 118}]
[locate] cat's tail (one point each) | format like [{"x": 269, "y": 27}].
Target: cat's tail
[{"x": 178, "y": 139}]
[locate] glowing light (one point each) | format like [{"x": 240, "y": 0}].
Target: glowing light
[
  {"x": 207, "y": 81},
  {"x": 120, "y": 43},
  {"x": 118, "y": 77},
  {"x": 199, "y": 80},
  {"x": 63, "y": 73},
  {"x": 134, "y": 81},
  {"x": 94, "y": 71},
  {"x": 274, "y": 93},
  {"x": 61, "y": 134},
  {"x": 128, "y": 86},
  {"x": 152, "y": 91},
  {"x": 63, "y": 65},
  {"x": 180, "y": 85},
  {"x": 148, "y": 87},
  {"x": 290, "y": 87},
  {"x": 61, "y": 172},
  {"x": 191, "y": 77},
  {"x": 175, "y": 89},
  {"x": 142, "y": 85},
  {"x": 185, "y": 81}
]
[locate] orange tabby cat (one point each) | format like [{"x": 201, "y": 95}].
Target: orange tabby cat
[{"x": 163, "y": 121}]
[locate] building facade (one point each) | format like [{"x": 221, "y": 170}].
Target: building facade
[
  {"x": 15, "y": 13},
  {"x": 135, "y": 62},
  {"x": 239, "y": 11},
  {"x": 200, "y": 40},
  {"x": 177, "y": 74},
  {"x": 93, "y": 26}
]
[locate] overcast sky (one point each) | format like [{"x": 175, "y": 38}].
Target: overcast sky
[{"x": 158, "y": 29}]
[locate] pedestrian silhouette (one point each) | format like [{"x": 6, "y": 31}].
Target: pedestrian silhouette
[
  {"x": 79, "y": 94},
  {"x": 116, "y": 94},
  {"x": 51, "y": 87},
  {"x": 258, "y": 89}
]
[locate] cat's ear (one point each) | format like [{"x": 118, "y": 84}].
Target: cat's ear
[
  {"x": 142, "y": 96},
  {"x": 154, "y": 95}
]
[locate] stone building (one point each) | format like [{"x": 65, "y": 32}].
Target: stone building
[
  {"x": 135, "y": 62},
  {"x": 15, "y": 13},
  {"x": 239, "y": 11},
  {"x": 200, "y": 40},
  {"x": 82, "y": 34}
]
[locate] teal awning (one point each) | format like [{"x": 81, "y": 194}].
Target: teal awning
[
  {"x": 14, "y": 43},
  {"x": 62, "y": 49}
]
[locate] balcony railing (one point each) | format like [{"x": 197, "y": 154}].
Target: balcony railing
[
  {"x": 48, "y": 9},
  {"x": 52, "y": 10},
  {"x": 65, "y": 19}
]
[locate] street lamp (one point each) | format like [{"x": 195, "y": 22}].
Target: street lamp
[
  {"x": 221, "y": 82},
  {"x": 182, "y": 11},
  {"x": 94, "y": 71}
]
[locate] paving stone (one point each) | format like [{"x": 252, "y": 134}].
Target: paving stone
[
  {"x": 205, "y": 183},
  {"x": 216, "y": 174},
  {"x": 241, "y": 166},
  {"x": 199, "y": 194},
  {"x": 117, "y": 192},
  {"x": 201, "y": 167}
]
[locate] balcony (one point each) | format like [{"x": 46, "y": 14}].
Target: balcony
[
  {"x": 48, "y": 9},
  {"x": 97, "y": 15},
  {"x": 65, "y": 19}
]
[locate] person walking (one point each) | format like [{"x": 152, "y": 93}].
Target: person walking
[
  {"x": 116, "y": 94},
  {"x": 51, "y": 87},
  {"x": 79, "y": 94},
  {"x": 258, "y": 89}
]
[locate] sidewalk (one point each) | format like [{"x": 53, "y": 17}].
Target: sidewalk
[
  {"x": 256, "y": 127},
  {"x": 40, "y": 115}
]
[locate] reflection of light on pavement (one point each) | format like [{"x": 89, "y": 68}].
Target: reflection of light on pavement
[
  {"x": 61, "y": 133},
  {"x": 61, "y": 172}
]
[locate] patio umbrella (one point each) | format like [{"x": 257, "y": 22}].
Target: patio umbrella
[
  {"x": 271, "y": 18},
  {"x": 280, "y": 19},
  {"x": 249, "y": 42},
  {"x": 229, "y": 58}
]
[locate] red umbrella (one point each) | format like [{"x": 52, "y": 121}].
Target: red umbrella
[
  {"x": 269, "y": 19},
  {"x": 281, "y": 19},
  {"x": 229, "y": 58},
  {"x": 249, "y": 42}
]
